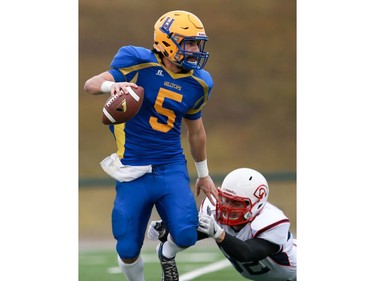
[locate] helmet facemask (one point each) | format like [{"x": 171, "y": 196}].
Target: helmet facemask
[
  {"x": 192, "y": 60},
  {"x": 235, "y": 210}
]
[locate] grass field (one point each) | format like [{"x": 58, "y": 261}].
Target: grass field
[
  {"x": 203, "y": 262},
  {"x": 97, "y": 256}
]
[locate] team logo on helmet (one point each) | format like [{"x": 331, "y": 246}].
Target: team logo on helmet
[{"x": 261, "y": 192}]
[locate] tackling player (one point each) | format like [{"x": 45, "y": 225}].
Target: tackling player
[
  {"x": 252, "y": 233},
  {"x": 149, "y": 165}
]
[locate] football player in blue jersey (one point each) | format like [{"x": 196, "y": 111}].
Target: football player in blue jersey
[{"x": 150, "y": 166}]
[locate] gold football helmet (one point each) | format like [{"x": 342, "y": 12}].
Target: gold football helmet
[{"x": 172, "y": 31}]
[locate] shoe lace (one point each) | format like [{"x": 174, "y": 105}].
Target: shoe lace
[{"x": 170, "y": 269}]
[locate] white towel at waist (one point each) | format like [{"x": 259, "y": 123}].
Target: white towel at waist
[{"x": 114, "y": 168}]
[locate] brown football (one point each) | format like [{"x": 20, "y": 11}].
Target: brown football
[{"x": 122, "y": 107}]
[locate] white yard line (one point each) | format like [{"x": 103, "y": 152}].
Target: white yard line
[
  {"x": 189, "y": 275},
  {"x": 204, "y": 270}
]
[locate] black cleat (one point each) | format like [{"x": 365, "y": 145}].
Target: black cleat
[{"x": 168, "y": 266}]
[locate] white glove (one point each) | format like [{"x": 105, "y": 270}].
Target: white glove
[
  {"x": 156, "y": 229},
  {"x": 209, "y": 226}
]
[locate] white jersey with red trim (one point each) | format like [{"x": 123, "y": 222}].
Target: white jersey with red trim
[{"x": 272, "y": 225}]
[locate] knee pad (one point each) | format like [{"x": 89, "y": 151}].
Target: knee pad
[
  {"x": 185, "y": 237},
  {"x": 127, "y": 249}
]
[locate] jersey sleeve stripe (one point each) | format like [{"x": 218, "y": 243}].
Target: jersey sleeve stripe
[{"x": 260, "y": 231}]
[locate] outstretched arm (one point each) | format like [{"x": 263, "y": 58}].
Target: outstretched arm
[
  {"x": 197, "y": 142},
  {"x": 250, "y": 250}
]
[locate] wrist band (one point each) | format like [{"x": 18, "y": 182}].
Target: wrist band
[
  {"x": 106, "y": 86},
  {"x": 202, "y": 168}
]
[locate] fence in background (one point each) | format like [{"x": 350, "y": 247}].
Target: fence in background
[{"x": 273, "y": 176}]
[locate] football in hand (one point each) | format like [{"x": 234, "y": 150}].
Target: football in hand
[{"x": 122, "y": 107}]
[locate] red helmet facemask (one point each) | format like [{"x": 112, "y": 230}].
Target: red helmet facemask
[{"x": 234, "y": 210}]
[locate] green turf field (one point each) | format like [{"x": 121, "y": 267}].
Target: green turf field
[
  {"x": 199, "y": 263},
  {"x": 96, "y": 264}
]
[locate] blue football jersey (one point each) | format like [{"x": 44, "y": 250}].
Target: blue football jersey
[{"x": 153, "y": 136}]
